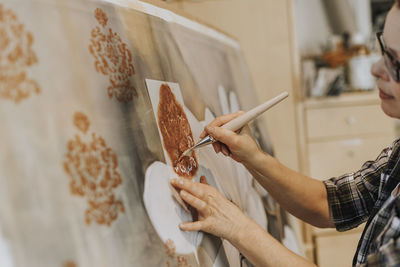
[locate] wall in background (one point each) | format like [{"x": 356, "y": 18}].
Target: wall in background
[{"x": 313, "y": 30}]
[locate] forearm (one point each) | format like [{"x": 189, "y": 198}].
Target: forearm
[
  {"x": 261, "y": 249},
  {"x": 304, "y": 197}
]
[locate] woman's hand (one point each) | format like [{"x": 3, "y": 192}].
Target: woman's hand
[
  {"x": 241, "y": 147},
  {"x": 220, "y": 217},
  {"x": 217, "y": 215}
]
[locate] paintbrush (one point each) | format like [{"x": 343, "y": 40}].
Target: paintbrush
[{"x": 237, "y": 123}]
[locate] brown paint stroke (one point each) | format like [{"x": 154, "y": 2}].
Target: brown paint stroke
[
  {"x": 92, "y": 168},
  {"x": 182, "y": 262},
  {"x": 69, "y": 264},
  {"x": 16, "y": 55},
  {"x": 176, "y": 133},
  {"x": 112, "y": 58}
]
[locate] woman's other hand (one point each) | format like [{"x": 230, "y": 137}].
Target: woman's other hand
[
  {"x": 240, "y": 146},
  {"x": 217, "y": 215},
  {"x": 220, "y": 217}
]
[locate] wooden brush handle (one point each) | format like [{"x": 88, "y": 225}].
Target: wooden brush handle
[{"x": 250, "y": 115}]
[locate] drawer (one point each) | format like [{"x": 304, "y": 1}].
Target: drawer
[
  {"x": 346, "y": 121},
  {"x": 336, "y": 250},
  {"x": 334, "y": 158}
]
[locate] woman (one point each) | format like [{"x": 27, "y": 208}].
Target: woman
[{"x": 344, "y": 202}]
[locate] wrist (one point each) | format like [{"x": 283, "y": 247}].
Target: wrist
[
  {"x": 241, "y": 231},
  {"x": 252, "y": 161}
]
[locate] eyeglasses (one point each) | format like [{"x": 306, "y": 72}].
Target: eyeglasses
[{"x": 391, "y": 62}]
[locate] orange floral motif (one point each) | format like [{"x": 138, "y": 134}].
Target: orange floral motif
[
  {"x": 101, "y": 16},
  {"x": 112, "y": 58},
  {"x": 81, "y": 122},
  {"x": 69, "y": 264},
  {"x": 182, "y": 262},
  {"x": 16, "y": 55},
  {"x": 170, "y": 248},
  {"x": 92, "y": 167}
]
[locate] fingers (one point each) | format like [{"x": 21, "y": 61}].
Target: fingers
[
  {"x": 223, "y": 135},
  {"x": 193, "y": 201},
  {"x": 246, "y": 131},
  {"x": 220, "y": 147},
  {"x": 192, "y": 226},
  {"x": 196, "y": 189},
  {"x": 225, "y": 150},
  {"x": 217, "y": 147},
  {"x": 178, "y": 198},
  {"x": 221, "y": 120}
]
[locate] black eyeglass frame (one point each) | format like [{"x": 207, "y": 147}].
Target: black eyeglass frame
[{"x": 391, "y": 62}]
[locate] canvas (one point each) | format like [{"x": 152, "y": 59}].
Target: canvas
[{"x": 82, "y": 153}]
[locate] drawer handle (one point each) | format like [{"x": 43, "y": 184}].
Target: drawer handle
[{"x": 351, "y": 120}]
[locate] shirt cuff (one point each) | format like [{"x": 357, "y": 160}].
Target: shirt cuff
[{"x": 335, "y": 208}]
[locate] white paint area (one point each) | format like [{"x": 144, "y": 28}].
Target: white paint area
[
  {"x": 234, "y": 102},
  {"x": 164, "y": 212},
  {"x": 223, "y": 100},
  {"x": 6, "y": 259}
]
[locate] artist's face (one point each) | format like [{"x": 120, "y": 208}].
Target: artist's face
[{"x": 389, "y": 89}]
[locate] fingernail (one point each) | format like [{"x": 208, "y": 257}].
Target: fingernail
[
  {"x": 183, "y": 193},
  {"x": 225, "y": 151},
  {"x": 215, "y": 150},
  {"x": 178, "y": 181}
]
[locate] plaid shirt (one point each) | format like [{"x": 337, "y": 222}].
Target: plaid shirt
[{"x": 372, "y": 194}]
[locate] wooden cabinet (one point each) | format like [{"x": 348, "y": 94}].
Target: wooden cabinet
[
  {"x": 339, "y": 135},
  {"x": 345, "y": 121},
  {"x": 334, "y": 249},
  {"x": 336, "y": 157}
]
